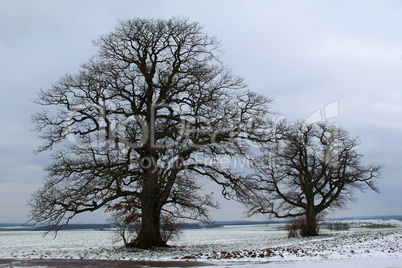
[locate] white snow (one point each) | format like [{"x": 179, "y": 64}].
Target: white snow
[{"x": 260, "y": 245}]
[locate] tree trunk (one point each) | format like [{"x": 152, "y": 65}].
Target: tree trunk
[
  {"x": 311, "y": 228},
  {"x": 150, "y": 233}
]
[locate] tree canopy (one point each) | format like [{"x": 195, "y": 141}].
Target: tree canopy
[
  {"x": 308, "y": 169},
  {"x": 135, "y": 123}
]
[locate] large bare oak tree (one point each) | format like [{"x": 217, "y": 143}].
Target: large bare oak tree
[
  {"x": 309, "y": 169},
  {"x": 136, "y": 124}
]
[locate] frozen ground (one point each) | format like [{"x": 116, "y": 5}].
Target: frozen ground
[{"x": 233, "y": 246}]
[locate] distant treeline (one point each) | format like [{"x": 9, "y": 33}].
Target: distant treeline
[
  {"x": 100, "y": 227},
  {"x": 199, "y": 225},
  {"x": 106, "y": 226}
]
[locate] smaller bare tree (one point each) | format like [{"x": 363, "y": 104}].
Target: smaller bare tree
[
  {"x": 126, "y": 220},
  {"x": 295, "y": 226},
  {"x": 310, "y": 169},
  {"x": 337, "y": 226}
]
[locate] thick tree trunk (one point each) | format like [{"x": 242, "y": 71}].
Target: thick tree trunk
[
  {"x": 311, "y": 228},
  {"x": 150, "y": 233}
]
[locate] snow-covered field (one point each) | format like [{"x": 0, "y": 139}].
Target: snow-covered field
[{"x": 259, "y": 245}]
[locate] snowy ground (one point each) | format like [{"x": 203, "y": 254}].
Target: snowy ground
[{"x": 233, "y": 246}]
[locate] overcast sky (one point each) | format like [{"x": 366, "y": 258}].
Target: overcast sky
[{"x": 303, "y": 54}]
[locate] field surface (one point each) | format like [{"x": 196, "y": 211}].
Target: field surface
[{"x": 234, "y": 246}]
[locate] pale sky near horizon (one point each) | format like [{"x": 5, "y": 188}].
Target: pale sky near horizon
[{"x": 304, "y": 55}]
